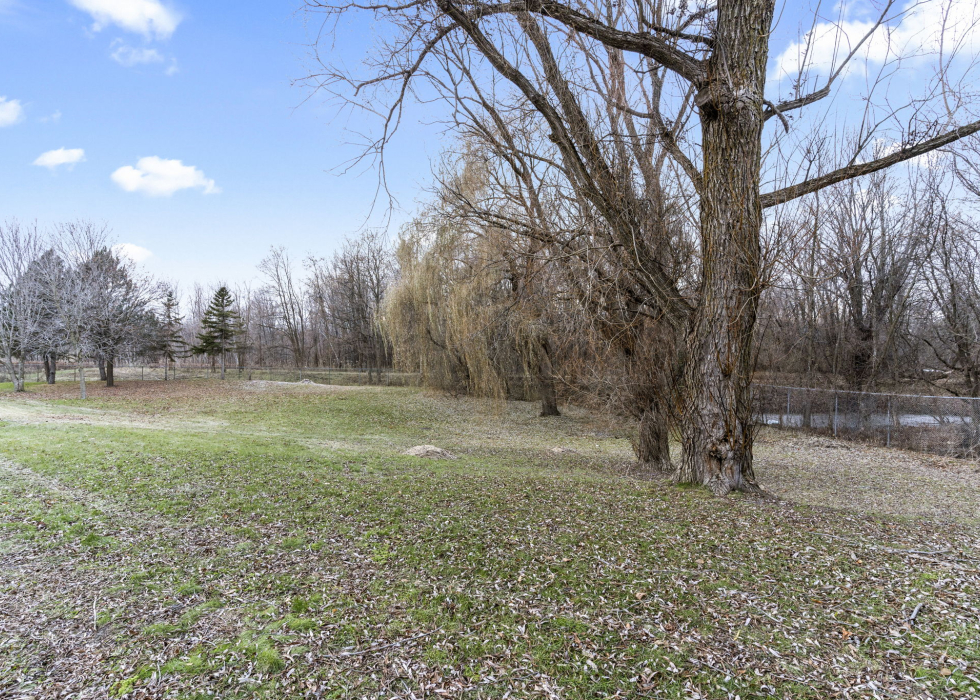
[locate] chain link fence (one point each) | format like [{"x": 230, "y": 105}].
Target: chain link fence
[
  {"x": 345, "y": 376},
  {"x": 946, "y": 425}
]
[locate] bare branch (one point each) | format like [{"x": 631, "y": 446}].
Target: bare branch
[{"x": 849, "y": 172}]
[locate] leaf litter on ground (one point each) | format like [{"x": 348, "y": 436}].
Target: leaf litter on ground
[{"x": 205, "y": 540}]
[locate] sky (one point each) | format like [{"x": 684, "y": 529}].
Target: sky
[{"x": 182, "y": 127}]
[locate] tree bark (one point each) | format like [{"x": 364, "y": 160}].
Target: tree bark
[
  {"x": 546, "y": 381},
  {"x": 50, "y": 368},
  {"x": 653, "y": 445},
  {"x": 16, "y": 377},
  {"x": 102, "y": 369},
  {"x": 222, "y": 364},
  {"x": 717, "y": 420},
  {"x": 109, "y": 376}
]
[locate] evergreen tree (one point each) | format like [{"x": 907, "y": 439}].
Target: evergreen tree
[
  {"x": 171, "y": 344},
  {"x": 219, "y": 327}
]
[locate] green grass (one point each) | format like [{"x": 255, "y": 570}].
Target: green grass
[{"x": 277, "y": 543}]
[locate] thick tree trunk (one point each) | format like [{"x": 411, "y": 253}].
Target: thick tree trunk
[
  {"x": 81, "y": 378},
  {"x": 102, "y": 369},
  {"x": 546, "y": 381},
  {"x": 50, "y": 368},
  {"x": 653, "y": 444},
  {"x": 717, "y": 420},
  {"x": 109, "y": 376},
  {"x": 222, "y": 365}
]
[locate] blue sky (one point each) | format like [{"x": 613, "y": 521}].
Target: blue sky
[
  {"x": 214, "y": 93},
  {"x": 177, "y": 123}
]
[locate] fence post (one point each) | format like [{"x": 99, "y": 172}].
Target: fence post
[
  {"x": 835, "y": 414},
  {"x": 888, "y": 418}
]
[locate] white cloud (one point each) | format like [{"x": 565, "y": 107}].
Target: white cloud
[
  {"x": 60, "y": 156},
  {"x": 129, "y": 56},
  {"x": 151, "y": 18},
  {"x": 11, "y": 111},
  {"x": 132, "y": 251},
  {"x": 920, "y": 28},
  {"x": 159, "y": 177},
  {"x": 53, "y": 117}
]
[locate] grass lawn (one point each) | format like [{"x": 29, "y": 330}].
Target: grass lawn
[{"x": 202, "y": 539}]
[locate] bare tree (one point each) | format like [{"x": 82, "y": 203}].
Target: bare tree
[
  {"x": 289, "y": 305},
  {"x": 118, "y": 315},
  {"x": 717, "y": 55},
  {"x": 78, "y": 243},
  {"x": 346, "y": 292},
  {"x": 49, "y": 273},
  {"x": 21, "y": 301},
  {"x": 952, "y": 327}
]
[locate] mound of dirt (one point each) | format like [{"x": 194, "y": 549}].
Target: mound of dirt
[{"x": 429, "y": 452}]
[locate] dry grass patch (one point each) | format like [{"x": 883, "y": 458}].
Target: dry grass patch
[{"x": 821, "y": 471}]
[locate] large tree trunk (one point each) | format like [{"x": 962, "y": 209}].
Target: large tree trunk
[
  {"x": 653, "y": 444},
  {"x": 102, "y": 369},
  {"x": 109, "y": 377},
  {"x": 81, "y": 378},
  {"x": 50, "y": 368},
  {"x": 222, "y": 364},
  {"x": 546, "y": 381},
  {"x": 717, "y": 421}
]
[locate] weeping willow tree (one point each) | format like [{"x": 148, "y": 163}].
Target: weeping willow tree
[
  {"x": 471, "y": 310},
  {"x": 458, "y": 315},
  {"x": 509, "y": 288},
  {"x": 474, "y": 315}
]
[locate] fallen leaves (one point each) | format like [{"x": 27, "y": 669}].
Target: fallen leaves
[{"x": 248, "y": 553}]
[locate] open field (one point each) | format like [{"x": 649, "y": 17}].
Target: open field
[{"x": 254, "y": 539}]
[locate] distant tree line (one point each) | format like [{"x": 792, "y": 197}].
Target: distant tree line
[
  {"x": 322, "y": 312},
  {"x": 877, "y": 287},
  {"x": 70, "y": 295}
]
